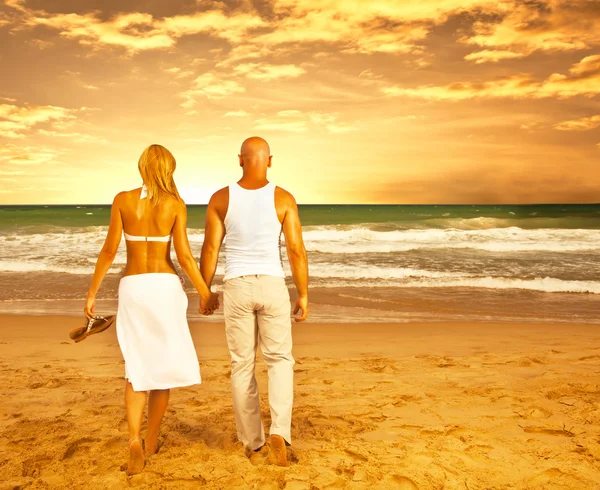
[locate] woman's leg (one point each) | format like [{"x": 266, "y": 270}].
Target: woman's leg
[
  {"x": 157, "y": 405},
  {"x": 135, "y": 401}
]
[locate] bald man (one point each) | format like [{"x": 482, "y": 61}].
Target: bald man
[{"x": 252, "y": 214}]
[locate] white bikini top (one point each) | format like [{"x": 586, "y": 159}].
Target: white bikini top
[{"x": 135, "y": 238}]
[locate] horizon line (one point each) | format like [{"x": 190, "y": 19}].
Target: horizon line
[{"x": 352, "y": 204}]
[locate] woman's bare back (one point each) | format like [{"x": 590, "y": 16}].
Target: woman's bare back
[{"x": 142, "y": 219}]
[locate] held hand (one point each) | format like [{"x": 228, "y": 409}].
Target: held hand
[
  {"x": 90, "y": 304},
  {"x": 301, "y": 305},
  {"x": 210, "y": 304}
]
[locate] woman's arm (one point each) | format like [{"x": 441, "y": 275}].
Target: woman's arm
[
  {"x": 208, "y": 300},
  {"x": 107, "y": 255}
]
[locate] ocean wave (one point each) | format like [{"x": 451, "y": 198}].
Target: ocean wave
[
  {"x": 355, "y": 239},
  {"x": 37, "y": 266},
  {"x": 543, "y": 284},
  {"x": 364, "y": 240},
  {"x": 31, "y": 265}
]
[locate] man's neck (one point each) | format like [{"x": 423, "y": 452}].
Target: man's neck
[{"x": 253, "y": 183}]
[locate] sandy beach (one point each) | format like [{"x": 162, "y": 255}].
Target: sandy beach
[{"x": 427, "y": 406}]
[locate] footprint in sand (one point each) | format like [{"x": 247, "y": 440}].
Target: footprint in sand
[
  {"x": 33, "y": 467},
  {"x": 52, "y": 383},
  {"x": 76, "y": 445},
  {"x": 550, "y": 432},
  {"x": 533, "y": 413},
  {"x": 398, "y": 482}
]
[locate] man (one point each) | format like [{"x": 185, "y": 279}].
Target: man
[{"x": 252, "y": 213}]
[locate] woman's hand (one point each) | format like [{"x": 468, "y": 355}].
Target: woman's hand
[
  {"x": 90, "y": 304},
  {"x": 210, "y": 304}
]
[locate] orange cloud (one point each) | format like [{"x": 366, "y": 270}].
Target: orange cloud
[
  {"x": 136, "y": 31},
  {"x": 15, "y": 121},
  {"x": 264, "y": 71},
  {"x": 240, "y": 113},
  {"x": 552, "y": 25},
  {"x": 493, "y": 56},
  {"x": 211, "y": 86},
  {"x": 584, "y": 79},
  {"x": 27, "y": 155},
  {"x": 583, "y": 124},
  {"x": 296, "y": 121}
]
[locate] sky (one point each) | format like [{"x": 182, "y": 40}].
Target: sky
[{"x": 362, "y": 101}]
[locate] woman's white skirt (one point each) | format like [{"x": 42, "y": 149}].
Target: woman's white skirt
[{"x": 154, "y": 334}]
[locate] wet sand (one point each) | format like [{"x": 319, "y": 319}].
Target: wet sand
[{"x": 428, "y": 406}]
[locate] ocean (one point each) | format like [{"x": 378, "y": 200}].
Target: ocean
[{"x": 380, "y": 263}]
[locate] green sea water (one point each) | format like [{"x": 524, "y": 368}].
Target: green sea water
[{"x": 37, "y": 219}]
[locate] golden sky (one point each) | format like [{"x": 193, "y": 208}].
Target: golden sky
[{"x": 362, "y": 101}]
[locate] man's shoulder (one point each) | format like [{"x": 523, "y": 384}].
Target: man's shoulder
[
  {"x": 220, "y": 200},
  {"x": 284, "y": 196},
  {"x": 220, "y": 195}
]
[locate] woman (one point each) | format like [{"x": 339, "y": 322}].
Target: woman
[{"x": 152, "y": 326}]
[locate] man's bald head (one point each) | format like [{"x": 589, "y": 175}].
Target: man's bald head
[
  {"x": 255, "y": 148},
  {"x": 255, "y": 155}
]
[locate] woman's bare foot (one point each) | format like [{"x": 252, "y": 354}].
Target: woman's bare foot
[
  {"x": 277, "y": 451},
  {"x": 136, "y": 461},
  {"x": 151, "y": 446}
]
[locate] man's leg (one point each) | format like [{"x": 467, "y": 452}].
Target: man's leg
[
  {"x": 241, "y": 331},
  {"x": 275, "y": 330}
]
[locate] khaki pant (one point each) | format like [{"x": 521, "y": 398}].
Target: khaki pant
[{"x": 257, "y": 308}]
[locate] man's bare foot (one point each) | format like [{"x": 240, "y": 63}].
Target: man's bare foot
[
  {"x": 136, "y": 462},
  {"x": 277, "y": 451}
]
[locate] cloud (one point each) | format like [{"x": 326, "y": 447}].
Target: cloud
[
  {"x": 340, "y": 128},
  {"x": 378, "y": 26},
  {"x": 296, "y": 121},
  {"x": 369, "y": 75},
  {"x": 290, "y": 113},
  {"x": 15, "y": 120},
  {"x": 211, "y": 86},
  {"x": 352, "y": 26},
  {"x": 527, "y": 27},
  {"x": 240, "y": 113},
  {"x": 487, "y": 56},
  {"x": 583, "y": 124},
  {"x": 264, "y": 71},
  {"x": 178, "y": 73},
  {"x": 12, "y": 172},
  {"x": 274, "y": 125},
  {"x": 31, "y": 115},
  {"x": 79, "y": 137},
  {"x": 27, "y": 155},
  {"x": 12, "y": 130},
  {"x": 136, "y": 31},
  {"x": 583, "y": 79},
  {"x": 533, "y": 125}
]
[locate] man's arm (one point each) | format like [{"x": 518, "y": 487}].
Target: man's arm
[
  {"x": 292, "y": 230},
  {"x": 214, "y": 232}
]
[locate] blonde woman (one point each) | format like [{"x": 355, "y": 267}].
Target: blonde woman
[{"x": 152, "y": 327}]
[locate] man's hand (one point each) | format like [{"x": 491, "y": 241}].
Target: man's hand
[
  {"x": 210, "y": 304},
  {"x": 301, "y": 305}
]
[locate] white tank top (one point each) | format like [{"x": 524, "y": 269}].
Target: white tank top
[{"x": 252, "y": 233}]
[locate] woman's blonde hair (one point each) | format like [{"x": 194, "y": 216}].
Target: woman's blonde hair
[{"x": 156, "y": 165}]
